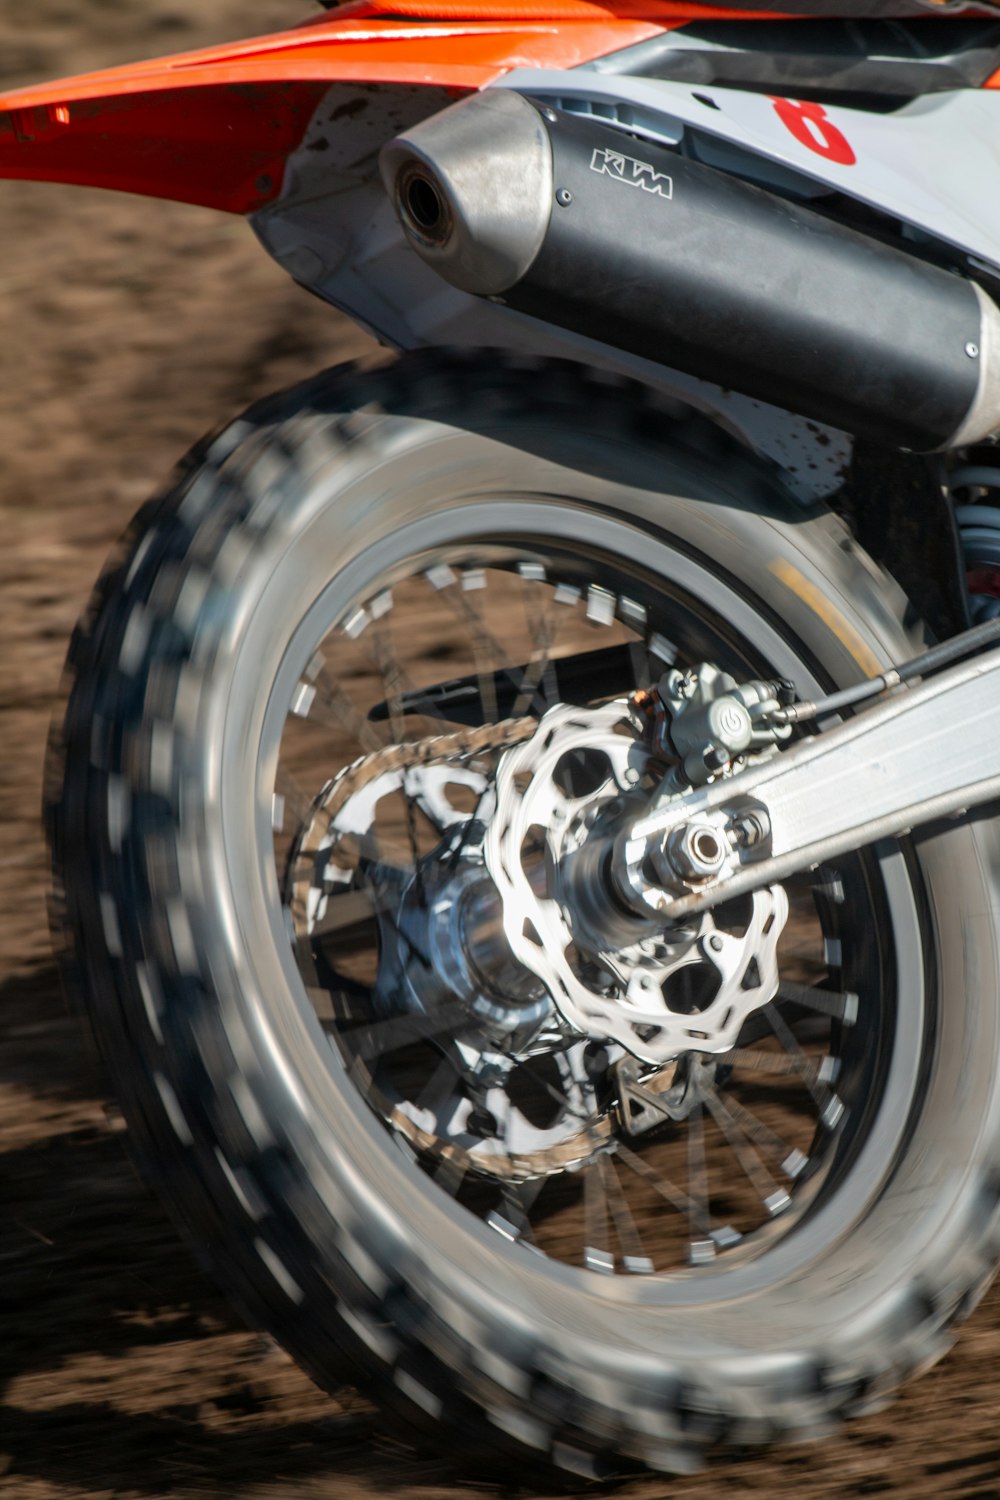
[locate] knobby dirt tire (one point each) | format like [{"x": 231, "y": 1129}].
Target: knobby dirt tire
[{"x": 323, "y": 1232}]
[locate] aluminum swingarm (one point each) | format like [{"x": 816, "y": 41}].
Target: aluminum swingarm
[{"x": 924, "y": 753}]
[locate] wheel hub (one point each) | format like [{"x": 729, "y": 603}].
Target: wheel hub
[{"x": 441, "y": 940}]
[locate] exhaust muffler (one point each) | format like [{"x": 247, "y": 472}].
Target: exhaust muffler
[{"x": 625, "y": 242}]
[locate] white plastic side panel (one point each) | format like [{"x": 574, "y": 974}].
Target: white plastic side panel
[{"x": 934, "y": 164}]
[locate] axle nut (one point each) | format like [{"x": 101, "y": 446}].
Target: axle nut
[{"x": 695, "y": 851}]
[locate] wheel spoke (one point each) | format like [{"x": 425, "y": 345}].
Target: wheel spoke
[
  {"x": 291, "y": 805},
  {"x": 324, "y": 703},
  {"x": 789, "y": 1158},
  {"x": 347, "y": 912},
  {"x": 392, "y": 688},
  {"x": 773, "y": 1197},
  {"x": 377, "y": 1038},
  {"x": 597, "y": 1254},
  {"x": 635, "y": 1258},
  {"x": 827, "y": 1102},
  {"x": 463, "y": 840},
  {"x": 518, "y": 1200},
  {"x": 402, "y": 696},
  {"x": 701, "y": 1245},
  {"x": 677, "y": 1199},
  {"x": 840, "y": 1005},
  {"x": 750, "y": 1060},
  {"x": 486, "y": 649},
  {"x": 544, "y": 625},
  {"x": 439, "y": 1090}
]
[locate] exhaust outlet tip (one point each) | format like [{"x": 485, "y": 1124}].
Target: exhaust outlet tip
[
  {"x": 472, "y": 189},
  {"x": 422, "y": 206}
]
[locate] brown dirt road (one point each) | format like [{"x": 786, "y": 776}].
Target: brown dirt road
[{"x": 127, "y": 329}]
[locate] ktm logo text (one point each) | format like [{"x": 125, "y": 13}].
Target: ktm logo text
[{"x": 639, "y": 174}]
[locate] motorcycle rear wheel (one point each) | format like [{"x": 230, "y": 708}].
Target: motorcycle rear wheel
[{"x": 201, "y": 678}]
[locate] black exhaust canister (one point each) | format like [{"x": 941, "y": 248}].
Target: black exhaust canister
[{"x": 588, "y": 228}]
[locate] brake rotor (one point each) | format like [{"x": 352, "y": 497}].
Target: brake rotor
[{"x": 631, "y": 994}]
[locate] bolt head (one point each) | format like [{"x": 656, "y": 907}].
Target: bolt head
[{"x": 751, "y": 828}]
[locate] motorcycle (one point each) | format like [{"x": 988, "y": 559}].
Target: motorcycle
[{"x": 523, "y": 823}]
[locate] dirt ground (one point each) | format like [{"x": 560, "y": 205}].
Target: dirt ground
[{"x": 127, "y": 329}]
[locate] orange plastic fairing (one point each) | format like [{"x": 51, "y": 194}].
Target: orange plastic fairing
[
  {"x": 667, "y": 13},
  {"x": 217, "y": 126}
]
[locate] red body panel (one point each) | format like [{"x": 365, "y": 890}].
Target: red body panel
[{"x": 216, "y": 126}]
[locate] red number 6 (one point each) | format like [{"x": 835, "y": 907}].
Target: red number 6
[{"x": 811, "y": 127}]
